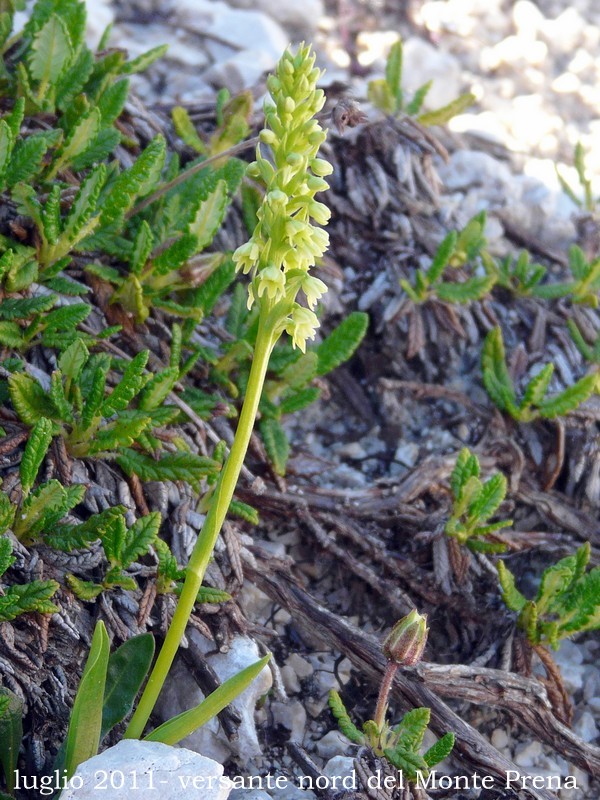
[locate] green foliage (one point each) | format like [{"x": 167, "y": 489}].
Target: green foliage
[
  {"x": 401, "y": 745},
  {"x": 93, "y": 421},
  {"x": 11, "y": 733},
  {"x": 458, "y": 249},
  {"x": 590, "y": 352},
  {"x": 474, "y": 503},
  {"x": 567, "y": 602},
  {"x": 584, "y": 285},
  {"x": 588, "y": 202},
  {"x": 22, "y": 598},
  {"x": 534, "y": 403},
  {"x": 233, "y": 124},
  {"x": 122, "y": 547},
  {"x": 387, "y": 94},
  {"x": 520, "y": 276}
]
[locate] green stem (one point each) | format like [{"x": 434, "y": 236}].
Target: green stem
[{"x": 205, "y": 544}]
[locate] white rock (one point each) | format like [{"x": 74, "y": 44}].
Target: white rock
[
  {"x": 152, "y": 769},
  {"x": 291, "y": 716},
  {"x": 181, "y": 693},
  {"x": 249, "y": 794},
  {"x": 300, "y": 19},
  {"x": 99, "y": 17},
  {"x": 302, "y": 667},
  {"x": 407, "y": 454},
  {"x": 290, "y": 679},
  {"x": 499, "y": 738},
  {"x": 424, "y": 62},
  {"x": 586, "y": 727},
  {"x": 242, "y": 71},
  {"x": 471, "y": 168},
  {"x": 568, "y": 654},
  {"x": 340, "y": 766},
  {"x": 332, "y": 744},
  {"x": 527, "y": 754}
]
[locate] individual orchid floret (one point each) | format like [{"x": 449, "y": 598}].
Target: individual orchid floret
[
  {"x": 314, "y": 289},
  {"x": 302, "y": 325},
  {"x": 271, "y": 281}
]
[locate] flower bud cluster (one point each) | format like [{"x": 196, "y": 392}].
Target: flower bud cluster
[{"x": 285, "y": 243}]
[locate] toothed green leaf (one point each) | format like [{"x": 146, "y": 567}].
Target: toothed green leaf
[
  {"x": 342, "y": 342},
  {"x": 35, "y": 452},
  {"x": 276, "y": 443}
]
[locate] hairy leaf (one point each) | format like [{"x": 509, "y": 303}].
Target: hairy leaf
[
  {"x": 35, "y": 452},
  {"x": 342, "y": 342}
]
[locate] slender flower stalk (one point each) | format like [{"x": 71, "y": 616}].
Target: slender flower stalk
[
  {"x": 403, "y": 646},
  {"x": 283, "y": 247}
]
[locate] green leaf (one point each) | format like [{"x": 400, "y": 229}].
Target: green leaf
[
  {"x": 85, "y": 590},
  {"x": 158, "y": 388},
  {"x": 415, "y": 105},
  {"x": 81, "y": 219},
  {"x": 78, "y": 140},
  {"x": 139, "y": 538},
  {"x": 74, "y": 359},
  {"x": 35, "y": 452},
  {"x": 83, "y": 737},
  {"x": 11, "y": 335},
  {"x": 302, "y": 371},
  {"x": 28, "y": 156},
  {"x": 344, "y": 722},
  {"x": 467, "y": 466},
  {"x": 112, "y": 101},
  {"x": 44, "y": 507},
  {"x": 442, "y": 257},
  {"x": 6, "y": 147},
  {"x": 299, "y": 400},
  {"x": 186, "y": 131},
  {"x": 571, "y": 398},
  {"x": 51, "y": 51},
  {"x": 379, "y": 94},
  {"x": 142, "y": 248},
  {"x": 443, "y": 115},
  {"x": 142, "y": 62},
  {"x": 412, "y": 727},
  {"x": 496, "y": 378},
  {"x": 177, "y": 728},
  {"x": 492, "y": 494},
  {"x": 440, "y": 750},
  {"x": 11, "y": 733},
  {"x": 121, "y": 432},
  {"x": 472, "y": 289},
  {"x": 276, "y": 444},
  {"x": 537, "y": 387},
  {"x": 393, "y": 73},
  {"x": 244, "y": 511},
  {"x": 171, "y": 466},
  {"x": 7, "y": 515},
  {"x": 28, "y": 398},
  {"x": 342, "y": 342},
  {"x": 510, "y": 594},
  {"x": 99, "y": 149},
  {"x": 129, "y": 386},
  {"x": 32, "y": 596},
  {"x": 214, "y": 286},
  {"x": 127, "y": 668},
  {"x": 24, "y": 307}
]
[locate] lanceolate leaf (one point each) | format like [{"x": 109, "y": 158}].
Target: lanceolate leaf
[
  {"x": 492, "y": 494},
  {"x": 571, "y": 398},
  {"x": 139, "y": 538},
  {"x": 276, "y": 444},
  {"x": 21, "y": 599},
  {"x": 177, "y": 728},
  {"x": 11, "y": 733},
  {"x": 127, "y": 668},
  {"x": 171, "y": 466},
  {"x": 35, "y": 452},
  {"x": 85, "y": 725},
  {"x": 440, "y": 750}
]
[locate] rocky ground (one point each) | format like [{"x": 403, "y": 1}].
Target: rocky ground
[{"x": 535, "y": 72}]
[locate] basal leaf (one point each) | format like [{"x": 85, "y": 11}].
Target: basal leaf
[
  {"x": 11, "y": 734},
  {"x": 177, "y": 728},
  {"x": 127, "y": 669},
  {"x": 142, "y": 62},
  {"x": 343, "y": 720},
  {"x": 129, "y": 386},
  {"x": 537, "y": 387},
  {"x": 83, "y": 737},
  {"x": 170, "y": 467},
  {"x": 510, "y": 594},
  {"x": 571, "y": 398},
  {"x": 24, "y": 598},
  {"x": 158, "y": 388},
  {"x": 442, "y": 257},
  {"x": 29, "y": 399}
]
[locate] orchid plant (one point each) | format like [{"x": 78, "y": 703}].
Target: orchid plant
[{"x": 278, "y": 257}]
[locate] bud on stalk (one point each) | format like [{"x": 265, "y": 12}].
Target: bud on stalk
[
  {"x": 403, "y": 646},
  {"x": 406, "y": 642}
]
